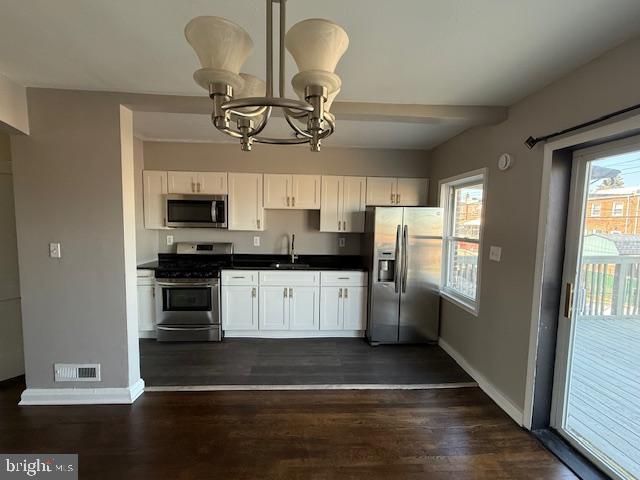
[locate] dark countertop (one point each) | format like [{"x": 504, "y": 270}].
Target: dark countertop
[{"x": 243, "y": 261}]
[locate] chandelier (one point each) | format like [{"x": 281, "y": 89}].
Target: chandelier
[{"x": 243, "y": 104}]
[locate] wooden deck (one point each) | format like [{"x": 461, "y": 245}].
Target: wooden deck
[{"x": 604, "y": 395}]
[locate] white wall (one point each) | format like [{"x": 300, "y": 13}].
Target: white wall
[
  {"x": 496, "y": 342},
  {"x": 11, "y": 355},
  {"x": 146, "y": 240},
  {"x": 13, "y": 107}
]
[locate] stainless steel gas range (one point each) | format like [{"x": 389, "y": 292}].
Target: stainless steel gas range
[{"x": 188, "y": 292}]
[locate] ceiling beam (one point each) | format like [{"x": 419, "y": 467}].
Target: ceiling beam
[{"x": 363, "y": 111}]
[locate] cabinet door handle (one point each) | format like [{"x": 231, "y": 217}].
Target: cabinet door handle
[
  {"x": 253, "y": 292},
  {"x": 285, "y": 292},
  {"x": 393, "y": 198},
  {"x": 339, "y": 293},
  {"x": 288, "y": 201},
  {"x": 291, "y": 292},
  {"x": 346, "y": 293},
  {"x": 344, "y": 225},
  {"x": 398, "y": 198},
  {"x": 193, "y": 187},
  {"x": 258, "y": 223},
  {"x": 293, "y": 201},
  {"x": 199, "y": 187}
]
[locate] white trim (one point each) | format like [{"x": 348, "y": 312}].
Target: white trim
[
  {"x": 293, "y": 333},
  {"x": 481, "y": 174},
  {"x": 333, "y": 386},
  {"x": 485, "y": 385},
  {"x": 628, "y": 125},
  {"x": 82, "y": 396}
]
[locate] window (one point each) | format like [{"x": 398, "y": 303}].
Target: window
[
  {"x": 617, "y": 210},
  {"x": 596, "y": 209},
  {"x": 463, "y": 200}
]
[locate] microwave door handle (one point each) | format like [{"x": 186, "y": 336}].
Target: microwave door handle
[{"x": 214, "y": 213}]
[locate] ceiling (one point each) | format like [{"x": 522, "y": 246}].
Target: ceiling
[{"x": 432, "y": 52}]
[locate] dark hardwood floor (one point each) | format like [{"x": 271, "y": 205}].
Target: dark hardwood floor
[
  {"x": 347, "y": 434},
  {"x": 295, "y": 361}
]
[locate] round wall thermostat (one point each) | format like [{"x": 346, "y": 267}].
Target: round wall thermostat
[{"x": 504, "y": 161}]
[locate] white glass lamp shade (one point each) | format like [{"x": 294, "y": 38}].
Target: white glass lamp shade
[
  {"x": 316, "y": 44},
  {"x": 219, "y": 43},
  {"x": 253, "y": 87},
  {"x": 329, "y": 80}
]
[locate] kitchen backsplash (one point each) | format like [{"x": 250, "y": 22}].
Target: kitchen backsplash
[{"x": 279, "y": 225}]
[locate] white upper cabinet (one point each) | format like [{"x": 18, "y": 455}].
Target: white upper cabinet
[
  {"x": 331, "y": 205},
  {"x": 381, "y": 190},
  {"x": 246, "y": 211},
  {"x": 343, "y": 204},
  {"x": 300, "y": 192},
  {"x": 305, "y": 192},
  {"x": 403, "y": 192},
  {"x": 154, "y": 189},
  {"x": 354, "y": 204},
  {"x": 412, "y": 192},
  {"x": 212, "y": 183},
  {"x": 277, "y": 191}
]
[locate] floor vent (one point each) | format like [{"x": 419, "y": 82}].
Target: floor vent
[{"x": 77, "y": 372}]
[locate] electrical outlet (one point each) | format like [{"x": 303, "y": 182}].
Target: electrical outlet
[
  {"x": 54, "y": 250},
  {"x": 169, "y": 239},
  {"x": 342, "y": 242},
  {"x": 495, "y": 253},
  {"x": 256, "y": 241}
]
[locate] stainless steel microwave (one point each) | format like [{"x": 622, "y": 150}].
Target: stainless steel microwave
[{"x": 196, "y": 211}]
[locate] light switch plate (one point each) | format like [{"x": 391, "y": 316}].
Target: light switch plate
[
  {"x": 54, "y": 250},
  {"x": 342, "y": 242},
  {"x": 256, "y": 241},
  {"x": 495, "y": 253},
  {"x": 169, "y": 239}
]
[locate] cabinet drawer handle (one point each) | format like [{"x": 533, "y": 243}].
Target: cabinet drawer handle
[
  {"x": 238, "y": 277},
  {"x": 343, "y": 278},
  {"x": 339, "y": 293}
]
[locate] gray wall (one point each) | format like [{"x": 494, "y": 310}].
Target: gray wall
[
  {"x": 11, "y": 355},
  {"x": 68, "y": 180},
  {"x": 280, "y": 159},
  {"x": 496, "y": 342},
  {"x": 146, "y": 240}
]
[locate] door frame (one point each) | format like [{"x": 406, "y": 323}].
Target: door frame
[{"x": 624, "y": 127}]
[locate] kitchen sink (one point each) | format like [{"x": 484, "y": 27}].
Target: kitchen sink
[{"x": 290, "y": 266}]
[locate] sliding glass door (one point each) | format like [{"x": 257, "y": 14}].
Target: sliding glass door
[{"x": 597, "y": 377}]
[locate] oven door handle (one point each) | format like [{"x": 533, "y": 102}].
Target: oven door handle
[
  {"x": 185, "y": 285},
  {"x": 189, "y": 329}
]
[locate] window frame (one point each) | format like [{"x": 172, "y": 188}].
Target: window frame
[
  {"x": 446, "y": 187},
  {"x": 613, "y": 209},
  {"x": 593, "y": 208}
]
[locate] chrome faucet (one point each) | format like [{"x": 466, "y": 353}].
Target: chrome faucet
[{"x": 292, "y": 248}]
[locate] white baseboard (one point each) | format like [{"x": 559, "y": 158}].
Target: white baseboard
[
  {"x": 293, "y": 334},
  {"x": 82, "y": 396},
  {"x": 485, "y": 385},
  {"x": 333, "y": 386}
]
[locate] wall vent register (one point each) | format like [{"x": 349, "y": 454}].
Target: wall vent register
[{"x": 76, "y": 372}]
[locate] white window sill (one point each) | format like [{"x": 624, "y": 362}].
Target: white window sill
[{"x": 470, "y": 307}]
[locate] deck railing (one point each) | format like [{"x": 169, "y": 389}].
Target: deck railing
[{"x": 609, "y": 286}]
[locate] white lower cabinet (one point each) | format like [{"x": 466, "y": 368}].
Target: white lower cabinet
[
  {"x": 304, "y": 308},
  {"x": 354, "y": 304},
  {"x": 240, "y": 307},
  {"x": 274, "y": 308},
  {"x": 146, "y": 304},
  {"x": 293, "y": 304}
]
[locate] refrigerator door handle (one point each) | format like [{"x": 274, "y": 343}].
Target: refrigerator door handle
[
  {"x": 396, "y": 279},
  {"x": 405, "y": 257}
]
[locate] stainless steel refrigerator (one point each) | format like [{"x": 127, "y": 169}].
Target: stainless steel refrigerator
[{"x": 403, "y": 247}]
